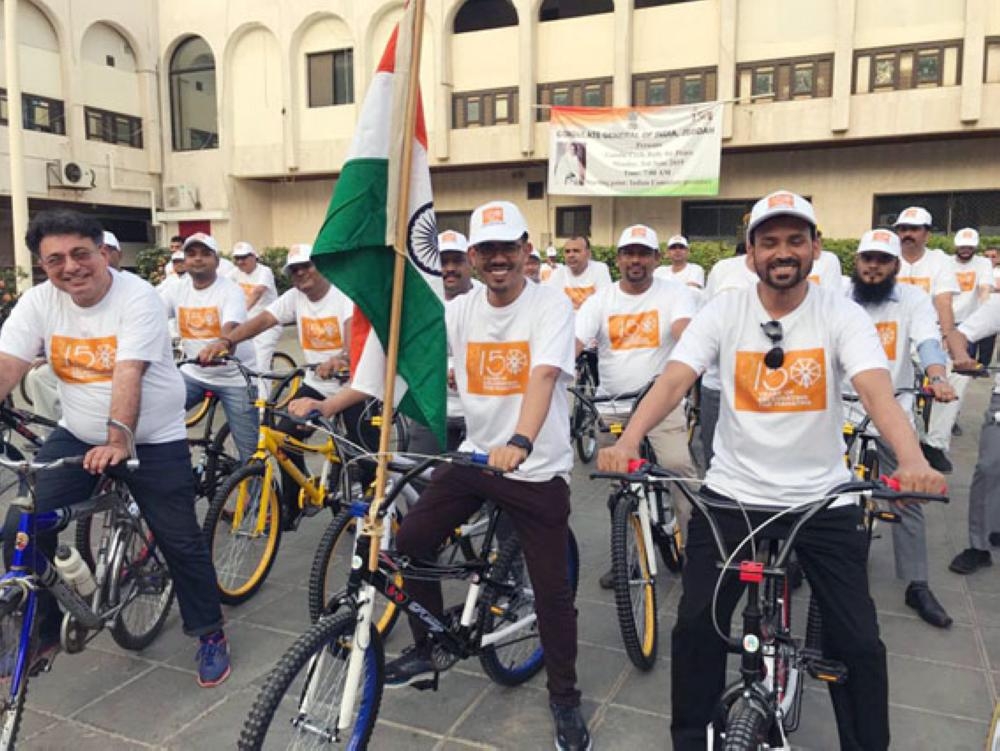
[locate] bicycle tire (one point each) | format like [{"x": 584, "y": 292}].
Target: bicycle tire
[
  {"x": 12, "y": 708},
  {"x": 196, "y": 413},
  {"x": 634, "y": 586},
  {"x": 9, "y": 478},
  {"x": 586, "y": 434},
  {"x": 221, "y": 462},
  {"x": 136, "y": 576},
  {"x": 282, "y": 391},
  {"x": 993, "y": 739},
  {"x": 746, "y": 728},
  {"x": 331, "y": 567},
  {"x": 22, "y": 390},
  {"x": 242, "y": 491},
  {"x": 516, "y": 667},
  {"x": 327, "y": 639},
  {"x": 371, "y": 414}
]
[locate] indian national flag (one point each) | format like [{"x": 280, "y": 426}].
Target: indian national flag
[{"x": 355, "y": 250}]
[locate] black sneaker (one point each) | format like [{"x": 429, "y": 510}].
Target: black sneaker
[
  {"x": 970, "y": 560},
  {"x": 956, "y": 430},
  {"x": 571, "y": 730},
  {"x": 995, "y": 539},
  {"x": 607, "y": 580},
  {"x": 937, "y": 458},
  {"x": 415, "y": 665}
]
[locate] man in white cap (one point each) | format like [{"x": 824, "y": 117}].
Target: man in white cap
[
  {"x": 932, "y": 271},
  {"x": 456, "y": 272},
  {"x": 257, "y": 282},
  {"x": 207, "y": 307},
  {"x": 680, "y": 269},
  {"x": 826, "y": 267},
  {"x": 112, "y": 249},
  {"x": 551, "y": 264},
  {"x": 513, "y": 344},
  {"x": 582, "y": 276},
  {"x": 636, "y": 322},
  {"x": 782, "y": 347},
  {"x": 533, "y": 266},
  {"x": 905, "y": 320}
]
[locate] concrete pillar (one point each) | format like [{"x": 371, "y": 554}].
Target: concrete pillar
[
  {"x": 527, "y": 75},
  {"x": 621, "y": 86},
  {"x": 18, "y": 193},
  {"x": 728, "y": 14},
  {"x": 843, "y": 66},
  {"x": 973, "y": 59}
]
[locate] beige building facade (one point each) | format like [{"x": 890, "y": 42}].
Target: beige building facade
[{"x": 235, "y": 117}]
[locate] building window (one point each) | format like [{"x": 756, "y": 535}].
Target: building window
[
  {"x": 480, "y": 15},
  {"x": 38, "y": 113},
  {"x": 670, "y": 87},
  {"x": 595, "y": 92},
  {"x": 991, "y": 65},
  {"x": 109, "y": 60},
  {"x": 714, "y": 220},
  {"x": 113, "y": 127},
  {"x": 331, "y": 78},
  {"x": 471, "y": 109},
  {"x": 558, "y": 10},
  {"x": 194, "y": 115},
  {"x": 3, "y": 106},
  {"x": 536, "y": 190},
  {"x": 456, "y": 221},
  {"x": 573, "y": 221},
  {"x": 910, "y": 67},
  {"x": 949, "y": 211},
  {"x": 782, "y": 80}
]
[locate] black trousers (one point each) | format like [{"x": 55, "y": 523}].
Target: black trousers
[
  {"x": 984, "y": 350},
  {"x": 832, "y": 550}
]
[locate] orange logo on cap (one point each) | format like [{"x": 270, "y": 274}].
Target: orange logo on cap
[
  {"x": 638, "y": 232},
  {"x": 493, "y": 215},
  {"x": 964, "y": 235},
  {"x": 909, "y": 214},
  {"x": 881, "y": 236},
  {"x": 781, "y": 200},
  {"x": 449, "y": 237}
]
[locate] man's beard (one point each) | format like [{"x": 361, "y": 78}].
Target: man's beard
[{"x": 866, "y": 293}]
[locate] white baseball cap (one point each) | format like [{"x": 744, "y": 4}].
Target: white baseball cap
[
  {"x": 298, "y": 253},
  {"x": 678, "y": 240},
  {"x": 535, "y": 254},
  {"x": 452, "y": 240},
  {"x": 780, "y": 203},
  {"x": 177, "y": 255},
  {"x": 201, "y": 239},
  {"x": 551, "y": 252},
  {"x": 639, "y": 234},
  {"x": 880, "y": 241},
  {"x": 110, "y": 239},
  {"x": 243, "y": 248},
  {"x": 914, "y": 215},
  {"x": 496, "y": 221},
  {"x": 967, "y": 238}
]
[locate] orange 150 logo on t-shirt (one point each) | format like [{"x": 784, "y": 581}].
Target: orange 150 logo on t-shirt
[
  {"x": 888, "y": 332},
  {"x": 966, "y": 280},
  {"x": 924, "y": 282},
  {"x": 83, "y": 360},
  {"x": 799, "y": 385},
  {"x": 247, "y": 292},
  {"x": 579, "y": 295},
  {"x": 199, "y": 323},
  {"x": 634, "y": 330},
  {"x": 321, "y": 334},
  {"x": 497, "y": 368}
]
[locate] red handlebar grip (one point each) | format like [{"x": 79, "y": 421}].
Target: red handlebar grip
[{"x": 634, "y": 465}]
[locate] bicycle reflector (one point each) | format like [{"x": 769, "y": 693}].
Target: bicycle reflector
[
  {"x": 616, "y": 428},
  {"x": 751, "y": 572}
]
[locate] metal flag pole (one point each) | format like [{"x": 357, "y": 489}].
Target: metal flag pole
[{"x": 373, "y": 526}]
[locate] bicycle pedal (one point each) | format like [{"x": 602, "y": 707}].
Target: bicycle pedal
[
  {"x": 828, "y": 671},
  {"x": 889, "y": 517}
]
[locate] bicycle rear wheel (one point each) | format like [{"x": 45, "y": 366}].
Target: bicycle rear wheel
[
  {"x": 282, "y": 391},
  {"x": 517, "y": 657},
  {"x": 331, "y": 567},
  {"x": 746, "y": 728},
  {"x": 12, "y": 614},
  {"x": 243, "y": 531},
  {"x": 315, "y": 667},
  {"x": 141, "y": 583},
  {"x": 223, "y": 459},
  {"x": 635, "y": 588},
  {"x": 585, "y": 433}
]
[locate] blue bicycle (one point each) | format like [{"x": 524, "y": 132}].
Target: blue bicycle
[{"x": 128, "y": 589}]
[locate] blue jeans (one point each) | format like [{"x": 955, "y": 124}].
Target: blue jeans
[
  {"x": 239, "y": 409},
  {"x": 163, "y": 486}
]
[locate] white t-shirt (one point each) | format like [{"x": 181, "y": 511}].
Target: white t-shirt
[
  {"x": 996, "y": 276},
  {"x": 226, "y": 267},
  {"x": 201, "y": 314},
  {"x": 976, "y": 273},
  {"x": 494, "y": 350},
  {"x": 261, "y": 276},
  {"x": 778, "y": 440},
  {"x": 692, "y": 274},
  {"x": 545, "y": 271},
  {"x": 322, "y": 327},
  {"x": 983, "y": 323},
  {"x": 826, "y": 271},
  {"x": 579, "y": 288},
  {"x": 933, "y": 273},
  {"x": 727, "y": 275},
  {"x": 633, "y": 331},
  {"x": 82, "y": 346},
  {"x": 904, "y": 321}
]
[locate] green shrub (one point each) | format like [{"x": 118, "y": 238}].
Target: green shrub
[
  {"x": 275, "y": 258},
  {"x": 149, "y": 264}
]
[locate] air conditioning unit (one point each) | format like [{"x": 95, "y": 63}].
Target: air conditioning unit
[
  {"x": 178, "y": 197},
  {"x": 70, "y": 175}
]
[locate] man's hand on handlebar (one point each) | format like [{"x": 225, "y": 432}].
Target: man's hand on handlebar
[
  {"x": 508, "y": 458},
  {"x": 213, "y": 351},
  {"x": 99, "y": 458},
  {"x": 943, "y": 391},
  {"x": 328, "y": 369},
  {"x": 616, "y": 458},
  {"x": 918, "y": 477},
  {"x": 305, "y": 406},
  {"x": 965, "y": 365}
]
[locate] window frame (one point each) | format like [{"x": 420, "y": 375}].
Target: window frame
[
  {"x": 575, "y": 90},
  {"x": 914, "y": 51},
  {"x": 674, "y": 85},
  {"x": 487, "y": 99},
  {"x": 332, "y": 55},
  {"x": 176, "y": 112},
  {"x": 782, "y": 71},
  {"x": 109, "y": 122},
  {"x": 564, "y": 212}
]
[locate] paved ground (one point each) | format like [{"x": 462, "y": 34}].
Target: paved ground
[{"x": 943, "y": 684}]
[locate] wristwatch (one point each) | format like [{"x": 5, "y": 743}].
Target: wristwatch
[
  {"x": 933, "y": 380},
  {"x": 522, "y": 442}
]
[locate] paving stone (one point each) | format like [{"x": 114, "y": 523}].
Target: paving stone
[
  {"x": 627, "y": 728},
  {"x": 69, "y": 734},
  {"x": 94, "y": 674}
]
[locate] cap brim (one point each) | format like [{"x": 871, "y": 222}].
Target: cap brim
[{"x": 782, "y": 212}]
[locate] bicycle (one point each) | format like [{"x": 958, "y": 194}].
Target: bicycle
[
  {"x": 340, "y": 659},
  {"x": 243, "y": 524},
  {"x": 214, "y": 452},
  {"x": 129, "y": 590},
  {"x": 20, "y": 422},
  {"x": 584, "y": 419}
]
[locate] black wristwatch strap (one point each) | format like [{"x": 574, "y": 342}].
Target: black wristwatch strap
[{"x": 522, "y": 442}]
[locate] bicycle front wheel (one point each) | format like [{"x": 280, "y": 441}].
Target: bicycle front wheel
[
  {"x": 635, "y": 588},
  {"x": 316, "y": 666},
  {"x": 223, "y": 459},
  {"x": 243, "y": 530},
  {"x": 12, "y": 706},
  {"x": 585, "y": 433},
  {"x": 746, "y": 728},
  {"x": 141, "y": 584}
]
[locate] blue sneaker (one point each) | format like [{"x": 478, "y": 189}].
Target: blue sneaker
[{"x": 213, "y": 660}]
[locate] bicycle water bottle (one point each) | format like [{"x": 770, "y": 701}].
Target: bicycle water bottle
[{"x": 74, "y": 570}]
